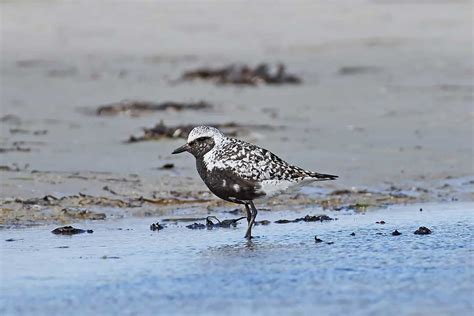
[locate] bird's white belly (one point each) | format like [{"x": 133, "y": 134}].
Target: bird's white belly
[{"x": 272, "y": 188}]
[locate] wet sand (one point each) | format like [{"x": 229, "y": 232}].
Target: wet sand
[{"x": 123, "y": 267}]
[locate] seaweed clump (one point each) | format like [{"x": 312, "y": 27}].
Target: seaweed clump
[
  {"x": 69, "y": 230},
  {"x": 244, "y": 75},
  {"x": 162, "y": 131},
  {"x": 136, "y": 108},
  {"x": 307, "y": 218}
]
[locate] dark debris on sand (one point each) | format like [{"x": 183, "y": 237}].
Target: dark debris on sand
[
  {"x": 136, "y": 108},
  {"x": 422, "y": 231},
  {"x": 226, "y": 223},
  {"x": 10, "y": 119},
  {"x": 244, "y": 75},
  {"x": 183, "y": 219},
  {"x": 83, "y": 200},
  {"x": 12, "y": 239},
  {"x": 358, "y": 70},
  {"x": 167, "y": 166},
  {"x": 82, "y": 214},
  {"x": 26, "y": 132},
  {"x": 14, "y": 167},
  {"x": 80, "y": 207},
  {"x": 109, "y": 257},
  {"x": 14, "y": 149},
  {"x": 307, "y": 218},
  {"x": 79, "y": 201},
  {"x": 210, "y": 223},
  {"x": 162, "y": 131},
  {"x": 196, "y": 226},
  {"x": 69, "y": 230}
]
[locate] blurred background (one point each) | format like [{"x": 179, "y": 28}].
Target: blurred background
[{"x": 386, "y": 92}]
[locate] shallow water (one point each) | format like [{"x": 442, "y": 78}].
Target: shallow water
[{"x": 179, "y": 271}]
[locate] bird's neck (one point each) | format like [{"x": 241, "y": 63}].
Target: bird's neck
[{"x": 202, "y": 168}]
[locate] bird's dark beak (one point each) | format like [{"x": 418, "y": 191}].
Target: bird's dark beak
[{"x": 181, "y": 149}]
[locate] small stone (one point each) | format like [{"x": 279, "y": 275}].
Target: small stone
[
  {"x": 67, "y": 230},
  {"x": 167, "y": 166},
  {"x": 380, "y": 222},
  {"x": 396, "y": 233},
  {"x": 353, "y": 234},
  {"x": 423, "y": 231}
]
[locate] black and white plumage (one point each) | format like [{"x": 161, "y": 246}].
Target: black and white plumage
[{"x": 241, "y": 172}]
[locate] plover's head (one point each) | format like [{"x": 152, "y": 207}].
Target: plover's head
[{"x": 201, "y": 140}]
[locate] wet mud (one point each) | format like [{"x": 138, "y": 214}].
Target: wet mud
[
  {"x": 35, "y": 211},
  {"x": 119, "y": 198}
]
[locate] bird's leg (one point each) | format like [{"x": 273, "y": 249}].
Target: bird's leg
[
  {"x": 249, "y": 214},
  {"x": 254, "y": 212}
]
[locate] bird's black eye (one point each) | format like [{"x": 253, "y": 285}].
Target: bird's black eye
[{"x": 201, "y": 139}]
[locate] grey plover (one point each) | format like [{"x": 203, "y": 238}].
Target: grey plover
[{"x": 241, "y": 172}]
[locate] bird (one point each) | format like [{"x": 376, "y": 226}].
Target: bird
[{"x": 241, "y": 172}]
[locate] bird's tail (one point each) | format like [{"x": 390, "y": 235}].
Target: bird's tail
[{"x": 322, "y": 176}]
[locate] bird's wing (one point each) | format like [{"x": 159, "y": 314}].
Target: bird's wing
[{"x": 256, "y": 163}]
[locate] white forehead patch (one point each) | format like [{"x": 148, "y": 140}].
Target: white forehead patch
[{"x": 206, "y": 131}]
